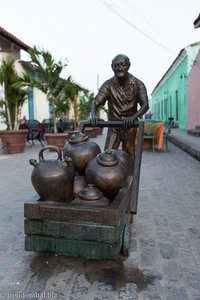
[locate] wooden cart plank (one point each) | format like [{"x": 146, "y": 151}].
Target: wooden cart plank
[
  {"x": 68, "y": 212},
  {"x": 74, "y": 231},
  {"x": 126, "y": 240},
  {"x": 73, "y": 247}
]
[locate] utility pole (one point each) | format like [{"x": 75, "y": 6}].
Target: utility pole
[{"x": 97, "y": 83}]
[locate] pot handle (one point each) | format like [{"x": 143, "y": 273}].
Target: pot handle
[
  {"x": 50, "y": 147},
  {"x": 33, "y": 162}
]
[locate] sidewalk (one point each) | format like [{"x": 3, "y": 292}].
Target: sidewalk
[{"x": 186, "y": 142}]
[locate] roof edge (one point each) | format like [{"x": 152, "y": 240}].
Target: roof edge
[
  {"x": 180, "y": 56},
  {"x": 17, "y": 41},
  {"x": 197, "y": 22}
]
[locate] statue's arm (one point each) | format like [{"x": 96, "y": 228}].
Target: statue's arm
[
  {"x": 99, "y": 100},
  {"x": 93, "y": 109},
  {"x": 143, "y": 100}
]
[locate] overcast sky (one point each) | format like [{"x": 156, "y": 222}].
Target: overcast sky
[{"x": 89, "y": 33}]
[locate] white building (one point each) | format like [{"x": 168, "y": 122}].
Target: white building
[{"x": 36, "y": 106}]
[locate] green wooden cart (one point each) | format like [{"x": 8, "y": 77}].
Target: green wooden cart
[{"x": 98, "y": 233}]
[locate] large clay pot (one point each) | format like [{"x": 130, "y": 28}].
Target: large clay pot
[
  {"x": 91, "y": 196},
  {"x": 107, "y": 172},
  {"x": 58, "y": 139},
  {"x": 81, "y": 150},
  {"x": 53, "y": 179},
  {"x": 13, "y": 141}
]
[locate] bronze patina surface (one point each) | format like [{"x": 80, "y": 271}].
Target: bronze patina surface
[
  {"x": 70, "y": 212},
  {"x": 123, "y": 93},
  {"x": 81, "y": 150},
  {"x": 135, "y": 178},
  {"x": 71, "y": 230},
  {"x": 107, "y": 172},
  {"x": 91, "y": 232},
  {"x": 53, "y": 179},
  {"x": 98, "y": 232}
]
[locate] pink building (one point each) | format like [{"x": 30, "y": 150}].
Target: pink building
[{"x": 193, "y": 95}]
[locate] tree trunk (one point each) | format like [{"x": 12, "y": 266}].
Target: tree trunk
[
  {"x": 54, "y": 117},
  {"x": 76, "y": 110},
  {"x": 8, "y": 115}
]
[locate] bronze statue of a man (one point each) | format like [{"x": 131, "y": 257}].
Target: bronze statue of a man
[{"x": 123, "y": 92}]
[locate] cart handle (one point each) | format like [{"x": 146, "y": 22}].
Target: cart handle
[{"x": 117, "y": 123}]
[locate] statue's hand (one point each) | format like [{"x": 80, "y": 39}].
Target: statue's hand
[
  {"x": 93, "y": 120},
  {"x": 128, "y": 122}
]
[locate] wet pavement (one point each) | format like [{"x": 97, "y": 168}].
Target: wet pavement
[{"x": 164, "y": 261}]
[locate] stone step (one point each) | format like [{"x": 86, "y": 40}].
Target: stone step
[{"x": 194, "y": 132}]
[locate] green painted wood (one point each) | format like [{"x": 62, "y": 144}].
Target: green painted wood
[
  {"x": 74, "y": 231},
  {"x": 126, "y": 239},
  {"x": 73, "y": 248},
  {"x": 71, "y": 230},
  {"x": 68, "y": 212}
]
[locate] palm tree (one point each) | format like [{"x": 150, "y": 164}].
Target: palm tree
[
  {"x": 46, "y": 75},
  {"x": 84, "y": 106},
  {"x": 62, "y": 100},
  {"x": 72, "y": 91},
  {"x": 14, "y": 94}
]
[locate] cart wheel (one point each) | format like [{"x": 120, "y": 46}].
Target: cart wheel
[{"x": 126, "y": 240}]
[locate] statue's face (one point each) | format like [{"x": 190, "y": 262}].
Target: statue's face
[{"x": 120, "y": 67}]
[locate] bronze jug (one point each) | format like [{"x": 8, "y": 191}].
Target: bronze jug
[
  {"x": 107, "y": 172},
  {"x": 125, "y": 159},
  {"x": 80, "y": 183},
  {"x": 91, "y": 196},
  {"x": 53, "y": 179},
  {"x": 81, "y": 150}
]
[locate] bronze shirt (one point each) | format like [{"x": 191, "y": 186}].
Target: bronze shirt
[{"x": 122, "y": 100}]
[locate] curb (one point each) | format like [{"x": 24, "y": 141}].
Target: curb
[{"x": 185, "y": 147}]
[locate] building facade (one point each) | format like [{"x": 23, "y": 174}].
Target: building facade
[
  {"x": 176, "y": 94},
  {"x": 36, "y": 106}
]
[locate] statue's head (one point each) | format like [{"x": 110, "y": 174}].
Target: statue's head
[{"x": 120, "y": 65}]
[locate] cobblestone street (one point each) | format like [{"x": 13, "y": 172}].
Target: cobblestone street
[{"x": 164, "y": 262}]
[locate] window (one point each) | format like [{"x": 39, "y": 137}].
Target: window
[
  {"x": 170, "y": 106},
  {"x": 165, "y": 109},
  {"x": 162, "y": 109},
  {"x": 5, "y": 44},
  {"x": 158, "y": 110},
  {"x": 176, "y": 105}
]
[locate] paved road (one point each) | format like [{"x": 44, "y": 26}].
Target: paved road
[{"x": 164, "y": 263}]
